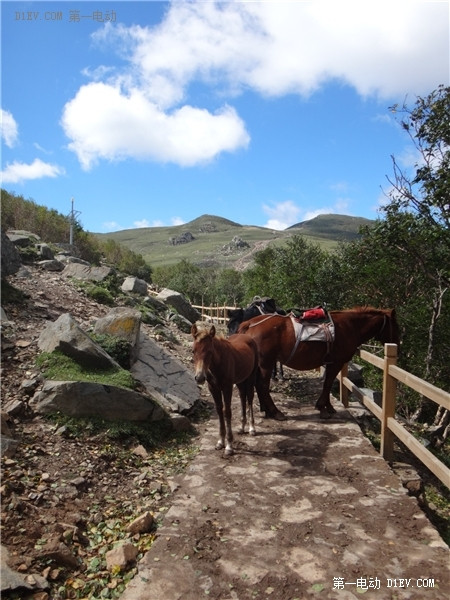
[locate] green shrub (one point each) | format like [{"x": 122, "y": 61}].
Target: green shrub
[
  {"x": 118, "y": 348},
  {"x": 100, "y": 295}
]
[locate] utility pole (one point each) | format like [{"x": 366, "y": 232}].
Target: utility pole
[{"x": 73, "y": 214}]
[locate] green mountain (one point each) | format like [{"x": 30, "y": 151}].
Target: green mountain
[
  {"x": 214, "y": 241},
  {"x": 335, "y": 227}
]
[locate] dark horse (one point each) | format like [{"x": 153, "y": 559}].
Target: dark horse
[
  {"x": 261, "y": 307},
  {"x": 222, "y": 363},
  {"x": 276, "y": 340}
]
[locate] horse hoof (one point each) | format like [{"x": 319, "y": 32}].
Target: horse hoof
[
  {"x": 331, "y": 410},
  {"x": 278, "y": 416},
  {"x": 252, "y": 432},
  {"x": 229, "y": 451},
  {"x": 324, "y": 414},
  {"x": 219, "y": 446}
]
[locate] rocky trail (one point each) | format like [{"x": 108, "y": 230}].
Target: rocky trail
[{"x": 304, "y": 509}]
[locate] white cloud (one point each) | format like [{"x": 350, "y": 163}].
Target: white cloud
[
  {"x": 111, "y": 226},
  {"x": 285, "y": 214},
  {"x": 282, "y": 215},
  {"x": 288, "y": 47},
  {"x": 104, "y": 123},
  {"x": 141, "y": 110},
  {"x": 18, "y": 172},
  {"x": 10, "y": 131},
  {"x": 158, "y": 222},
  {"x": 141, "y": 224}
]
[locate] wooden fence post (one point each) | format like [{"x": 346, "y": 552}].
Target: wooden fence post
[
  {"x": 388, "y": 407},
  {"x": 343, "y": 389}
]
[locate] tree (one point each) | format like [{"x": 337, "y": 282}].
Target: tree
[
  {"x": 419, "y": 213},
  {"x": 427, "y": 193}
]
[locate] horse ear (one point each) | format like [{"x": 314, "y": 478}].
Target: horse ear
[
  {"x": 212, "y": 331},
  {"x": 194, "y": 330}
]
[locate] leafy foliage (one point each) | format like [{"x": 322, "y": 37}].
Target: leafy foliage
[
  {"x": 116, "y": 347},
  {"x": 53, "y": 227}
]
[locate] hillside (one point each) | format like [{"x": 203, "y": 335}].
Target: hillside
[
  {"x": 335, "y": 227},
  {"x": 207, "y": 240}
]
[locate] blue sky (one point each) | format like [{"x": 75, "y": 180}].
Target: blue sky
[{"x": 266, "y": 113}]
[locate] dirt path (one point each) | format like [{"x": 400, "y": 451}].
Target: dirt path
[{"x": 305, "y": 509}]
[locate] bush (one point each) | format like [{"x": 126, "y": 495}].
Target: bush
[
  {"x": 100, "y": 295},
  {"x": 117, "y": 348}
]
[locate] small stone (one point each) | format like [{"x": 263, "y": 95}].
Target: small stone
[
  {"x": 140, "y": 451},
  {"x": 141, "y": 524},
  {"x": 121, "y": 556}
]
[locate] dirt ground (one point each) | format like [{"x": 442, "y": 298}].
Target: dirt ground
[{"x": 304, "y": 509}]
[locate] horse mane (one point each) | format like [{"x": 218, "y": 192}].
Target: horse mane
[{"x": 372, "y": 309}]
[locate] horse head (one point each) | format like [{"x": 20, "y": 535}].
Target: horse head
[
  {"x": 202, "y": 351},
  {"x": 236, "y": 317},
  {"x": 390, "y": 331}
]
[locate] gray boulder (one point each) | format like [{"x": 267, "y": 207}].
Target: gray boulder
[
  {"x": 374, "y": 395},
  {"x": 155, "y": 304},
  {"x": 181, "y": 322},
  {"x": 11, "y": 261},
  {"x": 356, "y": 374},
  {"x": 67, "y": 337},
  {"x": 179, "y": 303},
  {"x": 45, "y": 252},
  {"x": 166, "y": 379},
  {"x": 51, "y": 265},
  {"x": 72, "y": 259},
  {"x": 86, "y": 399},
  {"x": 122, "y": 322},
  {"x": 12, "y": 581},
  {"x": 86, "y": 272},
  {"x": 22, "y": 238},
  {"x": 135, "y": 285}
]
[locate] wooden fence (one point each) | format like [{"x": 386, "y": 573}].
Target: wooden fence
[
  {"x": 215, "y": 314},
  {"x": 390, "y": 427}
]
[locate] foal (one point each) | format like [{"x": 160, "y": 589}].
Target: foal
[{"x": 223, "y": 363}]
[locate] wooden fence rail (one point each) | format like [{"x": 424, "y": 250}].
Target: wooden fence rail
[
  {"x": 390, "y": 427},
  {"x": 215, "y": 314}
]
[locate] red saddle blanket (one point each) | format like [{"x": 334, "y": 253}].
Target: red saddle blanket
[{"x": 314, "y": 314}]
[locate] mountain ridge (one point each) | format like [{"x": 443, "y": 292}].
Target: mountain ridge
[{"x": 208, "y": 239}]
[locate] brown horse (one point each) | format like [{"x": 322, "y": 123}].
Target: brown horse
[
  {"x": 276, "y": 340},
  {"x": 222, "y": 363}
]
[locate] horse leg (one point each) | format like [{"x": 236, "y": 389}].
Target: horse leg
[
  {"x": 275, "y": 372},
  {"x": 250, "y": 392},
  {"x": 217, "y": 396},
  {"x": 323, "y": 403},
  {"x": 227, "y": 394},
  {"x": 266, "y": 403},
  {"x": 243, "y": 398}
]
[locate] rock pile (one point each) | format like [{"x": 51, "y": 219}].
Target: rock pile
[{"x": 52, "y": 314}]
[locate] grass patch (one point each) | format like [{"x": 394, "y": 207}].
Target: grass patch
[
  {"x": 59, "y": 367},
  {"x": 152, "y": 435}
]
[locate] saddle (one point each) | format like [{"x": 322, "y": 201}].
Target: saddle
[
  {"x": 312, "y": 325},
  {"x": 265, "y": 305}
]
